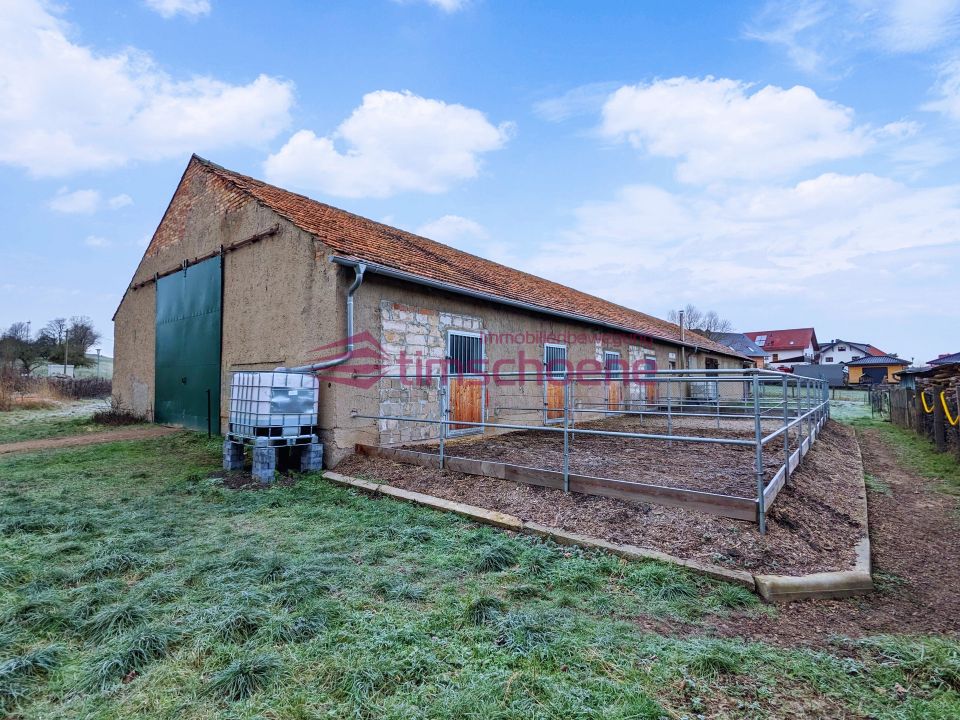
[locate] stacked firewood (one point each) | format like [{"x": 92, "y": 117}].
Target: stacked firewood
[{"x": 944, "y": 379}]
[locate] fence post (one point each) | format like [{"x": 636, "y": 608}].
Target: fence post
[
  {"x": 758, "y": 459},
  {"x": 939, "y": 424},
  {"x": 786, "y": 433},
  {"x": 443, "y": 428},
  {"x": 566, "y": 435},
  {"x": 669, "y": 410}
]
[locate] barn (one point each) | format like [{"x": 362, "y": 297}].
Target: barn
[{"x": 241, "y": 275}]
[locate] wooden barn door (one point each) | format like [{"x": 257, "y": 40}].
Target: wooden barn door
[
  {"x": 649, "y": 387},
  {"x": 465, "y": 393},
  {"x": 613, "y": 368},
  {"x": 555, "y": 376}
]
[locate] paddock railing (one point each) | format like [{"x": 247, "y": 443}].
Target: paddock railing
[{"x": 748, "y": 408}]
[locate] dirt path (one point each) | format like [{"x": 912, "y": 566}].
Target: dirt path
[
  {"x": 90, "y": 439},
  {"x": 914, "y": 534}
]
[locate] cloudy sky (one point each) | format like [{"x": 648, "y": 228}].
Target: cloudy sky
[{"x": 786, "y": 164}]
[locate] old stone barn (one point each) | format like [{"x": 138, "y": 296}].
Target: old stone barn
[{"x": 241, "y": 275}]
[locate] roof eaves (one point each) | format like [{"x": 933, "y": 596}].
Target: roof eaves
[{"x": 387, "y": 271}]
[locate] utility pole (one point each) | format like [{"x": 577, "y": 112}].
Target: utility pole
[{"x": 98, "y": 363}]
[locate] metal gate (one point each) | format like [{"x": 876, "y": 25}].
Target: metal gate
[{"x": 187, "y": 369}]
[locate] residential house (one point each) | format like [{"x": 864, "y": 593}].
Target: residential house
[
  {"x": 946, "y": 359},
  {"x": 242, "y": 275},
  {"x": 875, "y": 369},
  {"x": 840, "y": 352},
  {"x": 745, "y": 346},
  {"x": 787, "y": 347}
]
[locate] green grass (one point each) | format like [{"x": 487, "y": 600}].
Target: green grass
[
  {"x": 875, "y": 484},
  {"x": 70, "y": 418},
  {"x": 132, "y": 585},
  {"x": 917, "y": 453}
]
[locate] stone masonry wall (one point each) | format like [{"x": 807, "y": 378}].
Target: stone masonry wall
[{"x": 420, "y": 333}]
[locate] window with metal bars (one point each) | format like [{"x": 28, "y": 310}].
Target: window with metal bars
[
  {"x": 612, "y": 365},
  {"x": 555, "y": 361},
  {"x": 465, "y": 353}
]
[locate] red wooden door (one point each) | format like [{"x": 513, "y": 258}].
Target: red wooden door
[{"x": 466, "y": 402}]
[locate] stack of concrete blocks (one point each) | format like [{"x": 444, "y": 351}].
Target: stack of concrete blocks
[{"x": 265, "y": 457}]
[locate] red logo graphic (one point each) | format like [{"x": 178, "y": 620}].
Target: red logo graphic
[{"x": 364, "y": 367}]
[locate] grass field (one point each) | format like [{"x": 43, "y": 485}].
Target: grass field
[
  {"x": 64, "y": 418},
  {"x": 132, "y": 584},
  {"x": 916, "y": 452}
]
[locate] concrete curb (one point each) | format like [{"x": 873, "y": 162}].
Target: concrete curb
[
  {"x": 562, "y": 537},
  {"x": 772, "y": 588}
]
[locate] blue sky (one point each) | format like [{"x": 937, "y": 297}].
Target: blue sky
[{"x": 786, "y": 164}]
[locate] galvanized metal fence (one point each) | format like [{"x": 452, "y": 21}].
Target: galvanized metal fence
[{"x": 755, "y": 407}]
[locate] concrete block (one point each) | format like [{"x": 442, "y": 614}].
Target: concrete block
[
  {"x": 311, "y": 457},
  {"x": 232, "y": 455},
  {"x": 264, "y": 463}
]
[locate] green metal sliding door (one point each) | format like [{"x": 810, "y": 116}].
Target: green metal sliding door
[{"x": 187, "y": 366}]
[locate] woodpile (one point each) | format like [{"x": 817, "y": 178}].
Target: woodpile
[{"x": 923, "y": 411}]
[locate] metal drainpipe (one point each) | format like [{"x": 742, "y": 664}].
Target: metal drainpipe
[{"x": 358, "y": 270}]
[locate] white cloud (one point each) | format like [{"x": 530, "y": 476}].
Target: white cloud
[
  {"x": 793, "y": 241},
  {"x": 719, "y": 130},
  {"x": 582, "y": 100},
  {"x": 170, "y": 8},
  {"x": 65, "y": 108},
  {"x": 948, "y": 88},
  {"x": 818, "y": 35},
  {"x": 451, "y": 228},
  {"x": 119, "y": 201},
  {"x": 84, "y": 202},
  {"x": 95, "y": 241},
  {"x": 908, "y": 26},
  {"x": 394, "y": 142}
]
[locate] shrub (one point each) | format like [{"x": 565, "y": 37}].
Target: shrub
[{"x": 117, "y": 414}]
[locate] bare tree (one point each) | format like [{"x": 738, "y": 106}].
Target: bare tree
[
  {"x": 82, "y": 336},
  {"x": 55, "y": 330},
  {"x": 707, "y": 323}
]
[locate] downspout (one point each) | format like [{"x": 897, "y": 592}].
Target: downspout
[{"x": 358, "y": 270}]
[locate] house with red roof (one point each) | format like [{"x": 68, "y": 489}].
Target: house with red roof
[
  {"x": 787, "y": 347},
  {"x": 243, "y": 275}
]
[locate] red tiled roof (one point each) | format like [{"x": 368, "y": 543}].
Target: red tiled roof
[
  {"x": 875, "y": 351},
  {"x": 785, "y": 340},
  {"x": 358, "y": 238}
]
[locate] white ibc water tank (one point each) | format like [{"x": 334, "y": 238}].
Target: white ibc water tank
[{"x": 281, "y": 406}]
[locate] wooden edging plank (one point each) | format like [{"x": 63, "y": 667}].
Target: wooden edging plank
[
  {"x": 847, "y": 583},
  {"x": 774, "y": 487},
  {"x": 772, "y": 588},
  {"x": 713, "y": 503}
]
